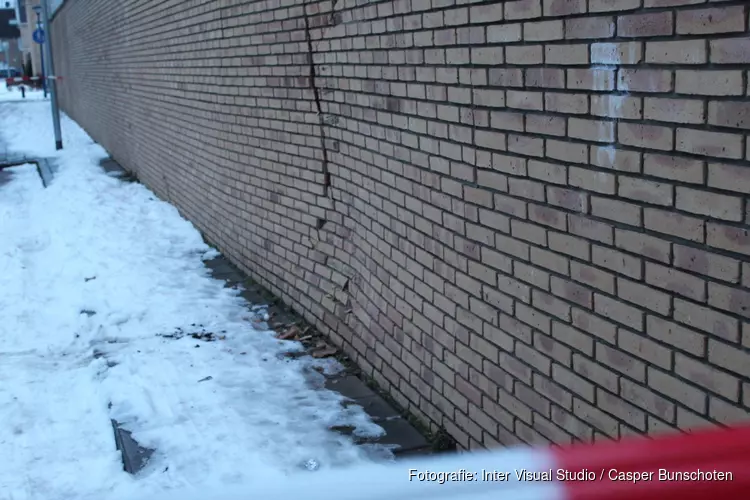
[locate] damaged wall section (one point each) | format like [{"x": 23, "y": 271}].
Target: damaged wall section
[{"x": 526, "y": 219}]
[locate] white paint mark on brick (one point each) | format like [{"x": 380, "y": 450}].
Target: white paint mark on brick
[{"x": 610, "y": 55}]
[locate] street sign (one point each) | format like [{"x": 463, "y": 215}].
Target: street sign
[{"x": 38, "y": 36}]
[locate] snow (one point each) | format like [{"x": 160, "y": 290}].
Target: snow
[
  {"x": 14, "y": 94},
  {"x": 95, "y": 275}
]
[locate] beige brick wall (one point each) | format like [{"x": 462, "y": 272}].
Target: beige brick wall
[{"x": 526, "y": 219}]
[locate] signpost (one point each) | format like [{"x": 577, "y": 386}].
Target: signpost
[
  {"x": 39, "y": 37},
  {"x": 49, "y": 69}
]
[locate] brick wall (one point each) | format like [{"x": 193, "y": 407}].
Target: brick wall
[{"x": 526, "y": 219}]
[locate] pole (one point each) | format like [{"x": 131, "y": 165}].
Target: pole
[
  {"x": 50, "y": 73},
  {"x": 41, "y": 51}
]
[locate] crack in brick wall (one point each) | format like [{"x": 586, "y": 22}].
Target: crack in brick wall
[{"x": 527, "y": 220}]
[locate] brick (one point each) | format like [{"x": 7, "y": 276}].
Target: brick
[
  {"x": 674, "y": 167},
  {"x": 725, "y": 413},
  {"x": 591, "y": 130},
  {"x": 673, "y": 110},
  {"x": 616, "y": 53},
  {"x": 730, "y": 50},
  {"x": 531, "y": 275},
  {"x": 643, "y": 244},
  {"x": 643, "y": 296},
  {"x": 712, "y": 20},
  {"x": 617, "y": 106},
  {"x": 592, "y": 277},
  {"x": 613, "y": 5},
  {"x": 645, "y": 349},
  {"x": 547, "y": 346},
  {"x": 487, "y": 55},
  {"x": 732, "y": 114},
  {"x": 621, "y": 409},
  {"x": 734, "y": 239},
  {"x": 522, "y": 144},
  {"x": 596, "y": 418},
  {"x": 569, "y": 245},
  {"x": 571, "y": 382},
  {"x": 646, "y": 25},
  {"x": 648, "y": 400},
  {"x": 707, "y": 264},
  {"x": 567, "y": 198},
  {"x": 589, "y": 27},
  {"x": 734, "y": 300},
  {"x": 675, "y": 335},
  {"x": 592, "y": 372},
  {"x": 670, "y": 3},
  {"x": 600, "y": 182},
  {"x": 548, "y": 172},
  {"x": 619, "y": 312},
  {"x": 567, "y": 151},
  {"x": 616, "y": 261},
  {"x": 545, "y": 78},
  {"x": 543, "y": 30},
  {"x": 711, "y": 204},
  {"x": 523, "y": 9},
  {"x": 571, "y": 424},
  {"x": 550, "y": 260},
  {"x": 676, "y": 389},
  {"x": 676, "y": 281},
  {"x": 729, "y": 357},
  {"x": 729, "y": 177},
  {"x": 644, "y": 80},
  {"x": 504, "y": 33},
  {"x": 543, "y": 124},
  {"x": 513, "y": 405},
  {"x": 524, "y": 54},
  {"x": 635, "y": 188},
  {"x": 615, "y": 210},
  {"x": 532, "y": 357},
  {"x": 485, "y": 13},
  {"x": 563, "y": 7},
  {"x": 524, "y": 100},
  {"x": 706, "y": 376},
  {"x": 522, "y": 188},
  {"x": 490, "y": 140},
  {"x": 505, "y": 120},
  {"x": 707, "y": 143},
  {"x": 707, "y": 82},
  {"x": 677, "y": 52},
  {"x": 689, "y": 421},
  {"x": 593, "y": 325},
  {"x": 512, "y": 247},
  {"x": 645, "y": 136},
  {"x": 567, "y": 54},
  {"x": 574, "y": 338},
  {"x": 615, "y": 158},
  {"x": 566, "y": 103},
  {"x": 707, "y": 320},
  {"x": 591, "y": 229},
  {"x": 591, "y": 78}
]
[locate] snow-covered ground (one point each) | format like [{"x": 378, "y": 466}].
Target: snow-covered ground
[
  {"x": 14, "y": 94},
  {"x": 93, "y": 271}
]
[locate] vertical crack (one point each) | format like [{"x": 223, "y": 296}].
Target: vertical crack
[{"x": 316, "y": 94}]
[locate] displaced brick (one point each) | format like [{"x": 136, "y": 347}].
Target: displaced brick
[
  {"x": 646, "y": 25},
  {"x": 677, "y": 52},
  {"x": 712, "y": 20}
]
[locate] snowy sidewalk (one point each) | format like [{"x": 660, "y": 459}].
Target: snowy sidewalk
[{"x": 96, "y": 277}]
